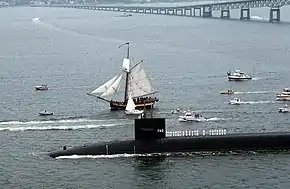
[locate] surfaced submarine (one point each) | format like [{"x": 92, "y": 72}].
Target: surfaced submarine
[{"x": 150, "y": 137}]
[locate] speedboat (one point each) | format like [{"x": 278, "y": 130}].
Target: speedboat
[
  {"x": 284, "y": 96},
  {"x": 125, "y": 15},
  {"x": 237, "y": 75},
  {"x": 41, "y": 87},
  {"x": 189, "y": 117},
  {"x": 35, "y": 19},
  {"x": 284, "y": 109},
  {"x": 175, "y": 111},
  {"x": 227, "y": 92},
  {"x": 45, "y": 113},
  {"x": 235, "y": 101}
]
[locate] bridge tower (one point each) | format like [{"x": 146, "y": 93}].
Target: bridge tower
[
  {"x": 207, "y": 11},
  {"x": 274, "y": 11},
  {"x": 245, "y": 14},
  {"x": 197, "y": 9},
  {"x": 225, "y": 14}
]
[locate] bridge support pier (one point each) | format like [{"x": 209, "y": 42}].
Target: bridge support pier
[
  {"x": 190, "y": 12},
  {"x": 175, "y": 11},
  {"x": 207, "y": 12},
  {"x": 272, "y": 14},
  {"x": 225, "y": 14},
  {"x": 194, "y": 12},
  {"x": 246, "y": 16}
]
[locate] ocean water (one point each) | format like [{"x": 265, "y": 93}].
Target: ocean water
[{"x": 75, "y": 51}]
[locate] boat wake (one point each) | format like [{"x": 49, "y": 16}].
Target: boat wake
[
  {"x": 63, "y": 124},
  {"x": 254, "y": 92},
  {"x": 73, "y": 32},
  {"x": 54, "y": 121},
  {"x": 99, "y": 156},
  {"x": 258, "y": 18},
  {"x": 180, "y": 154},
  {"x": 256, "y": 78},
  {"x": 213, "y": 119},
  {"x": 44, "y": 128},
  {"x": 257, "y": 102}
]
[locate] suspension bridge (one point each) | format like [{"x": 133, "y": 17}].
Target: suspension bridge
[{"x": 197, "y": 10}]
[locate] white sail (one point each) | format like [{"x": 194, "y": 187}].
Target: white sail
[
  {"x": 130, "y": 104},
  {"x": 126, "y": 64},
  {"x": 105, "y": 86},
  {"x": 114, "y": 88},
  {"x": 138, "y": 82}
]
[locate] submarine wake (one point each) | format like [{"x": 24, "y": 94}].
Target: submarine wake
[
  {"x": 56, "y": 121},
  {"x": 180, "y": 154},
  {"x": 61, "y": 127},
  {"x": 59, "y": 124},
  {"x": 103, "y": 156}
]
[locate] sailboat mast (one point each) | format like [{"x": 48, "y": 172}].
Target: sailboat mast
[
  {"x": 128, "y": 50},
  {"x": 127, "y": 73}
]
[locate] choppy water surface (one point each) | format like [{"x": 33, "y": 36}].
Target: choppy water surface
[{"x": 74, "y": 51}]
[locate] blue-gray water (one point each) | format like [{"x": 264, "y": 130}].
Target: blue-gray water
[{"x": 74, "y": 51}]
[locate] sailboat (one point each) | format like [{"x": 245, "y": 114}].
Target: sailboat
[
  {"x": 130, "y": 108},
  {"x": 137, "y": 84}
]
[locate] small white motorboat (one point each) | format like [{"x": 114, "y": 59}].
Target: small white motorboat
[
  {"x": 126, "y": 15},
  {"x": 235, "y": 101},
  {"x": 41, "y": 87},
  {"x": 237, "y": 75},
  {"x": 35, "y": 19},
  {"x": 284, "y": 96},
  {"x": 189, "y": 117},
  {"x": 130, "y": 108},
  {"x": 45, "y": 113},
  {"x": 284, "y": 109},
  {"x": 176, "y": 111}
]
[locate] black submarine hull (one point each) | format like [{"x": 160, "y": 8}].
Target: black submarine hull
[{"x": 231, "y": 142}]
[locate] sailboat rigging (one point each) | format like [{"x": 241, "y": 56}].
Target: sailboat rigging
[{"x": 137, "y": 84}]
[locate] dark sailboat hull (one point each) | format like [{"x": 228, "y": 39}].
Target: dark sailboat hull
[{"x": 122, "y": 105}]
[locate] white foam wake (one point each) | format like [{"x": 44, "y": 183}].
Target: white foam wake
[
  {"x": 258, "y": 18},
  {"x": 203, "y": 119},
  {"x": 257, "y": 102},
  {"x": 256, "y": 78},
  {"x": 95, "y": 156},
  {"x": 63, "y": 127},
  {"x": 215, "y": 119},
  {"x": 37, "y": 20},
  {"x": 253, "y": 92},
  {"x": 110, "y": 156},
  {"x": 40, "y": 122}
]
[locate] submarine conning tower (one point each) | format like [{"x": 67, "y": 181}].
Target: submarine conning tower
[{"x": 150, "y": 128}]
